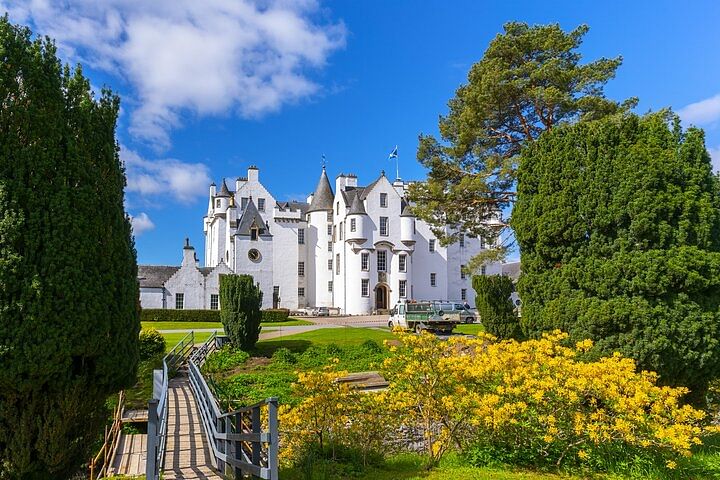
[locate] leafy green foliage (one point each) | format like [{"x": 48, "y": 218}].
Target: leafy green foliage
[
  {"x": 240, "y": 301},
  {"x": 224, "y": 359},
  {"x": 494, "y": 306},
  {"x": 68, "y": 277},
  {"x": 172, "y": 315},
  {"x": 275, "y": 315},
  {"x": 152, "y": 343},
  {"x": 618, "y": 225},
  {"x": 528, "y": 81}
]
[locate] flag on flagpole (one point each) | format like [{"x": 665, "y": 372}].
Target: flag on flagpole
[{"x": 393, "y": 154}]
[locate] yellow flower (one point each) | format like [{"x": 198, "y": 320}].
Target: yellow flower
[
  {"x": 583, "y": 455},
  {"x": 671, "y": 465}
]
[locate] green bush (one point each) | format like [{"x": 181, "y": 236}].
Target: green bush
[
  {"x": 151, "y": 343},
  {"x": 274, "y": 315},
  {"x": 240, "y": 300},
  {"x": 225, "y": 359},
  {"x": 284, "y": 356},
  {"x": 494, "y": 306},
  {"x": 170, "y": 315}
]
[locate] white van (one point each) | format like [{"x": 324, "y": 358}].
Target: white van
[{"x": 418, "y": 316}]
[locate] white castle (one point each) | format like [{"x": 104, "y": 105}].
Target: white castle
[{"x": 358, "y": 250}]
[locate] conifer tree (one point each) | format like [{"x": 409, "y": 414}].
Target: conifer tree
[
  {"x": 69, "y": 319},
  {"x": 494, "y": 306},
  {"x": 619, "y": 230},
  {"x": 240, "y": 302}
]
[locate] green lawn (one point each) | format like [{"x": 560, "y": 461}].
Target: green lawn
[
  {"x": 217, "y": 325},
  {"x": 171, "y": 339},
  {"x": 469, "y": 328},
  {"x": 323, "y": 336}
]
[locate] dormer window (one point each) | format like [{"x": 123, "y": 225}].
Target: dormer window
[{"x": 254, "y": 232}]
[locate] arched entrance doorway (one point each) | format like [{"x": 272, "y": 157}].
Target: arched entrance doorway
[{"x": 381, "y": 297}]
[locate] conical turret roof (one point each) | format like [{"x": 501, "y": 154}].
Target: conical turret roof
[
  {"x": 224, "y": 192},
  {"x": 357, "y": 207},
  {"x": 323, "y": 196}
]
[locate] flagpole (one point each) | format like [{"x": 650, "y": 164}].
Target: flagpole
[{"x": 397, "y": 167}]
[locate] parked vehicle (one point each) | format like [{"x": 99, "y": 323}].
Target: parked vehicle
[
  {"x": 418, "y": 316},
  {"x": 321, "y": 312},
  {"x": 466, "y": 314}
]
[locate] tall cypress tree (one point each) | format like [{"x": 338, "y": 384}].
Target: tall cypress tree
[
  {"x": 69, "y": 317},
  {"x": 619, "y": 230},
  {"x": 240, "y": 302}
]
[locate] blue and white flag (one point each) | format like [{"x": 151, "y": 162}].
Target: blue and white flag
[{"x": 393, "y": 154}]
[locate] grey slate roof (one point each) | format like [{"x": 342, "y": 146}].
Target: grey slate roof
[
  {"x": 323, "y": 196},
  {"x": 357, "y": 207},
  {"x": 155, "y": 276},
  {"x": 293, "y": 206},
  {"x": 406, "y": 210},
  {"x": 224, "y": 192},
  {"x": 251, "y": 216}
]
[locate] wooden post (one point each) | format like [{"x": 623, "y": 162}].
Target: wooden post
[
  {"x": 238, "y": 444},
  {"x": 273, "y": 448},
  {"x": 256, "y": 427},
  {"x": 151, "y": 467},
  {"x": 221, "y": 444}
]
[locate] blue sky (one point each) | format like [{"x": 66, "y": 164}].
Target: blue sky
[{"x": 209, "y": 88}]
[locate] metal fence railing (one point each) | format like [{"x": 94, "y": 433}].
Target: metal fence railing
[
  {"x": 243, "y": 441},
  {"x": 158, "y": 408},
  {"x": 101, "y": 463}
]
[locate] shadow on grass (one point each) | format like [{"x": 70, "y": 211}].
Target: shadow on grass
[{"x": 267, "y": 348}]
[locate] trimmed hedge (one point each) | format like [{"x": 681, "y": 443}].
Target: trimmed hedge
[
  {"x": 171, "y": 315},
  {"x": 274, "y": 315}
]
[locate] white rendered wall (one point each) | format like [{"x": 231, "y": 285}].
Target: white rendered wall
[
  {"x": 189, "y": 281},
  {"x": 212, "y": 283},
  {"x": 285, "y": 261},
  {"x": 151, "y": 297},
  {"x": 262, "y": 271},
  {"x": 317, "y": 249}
]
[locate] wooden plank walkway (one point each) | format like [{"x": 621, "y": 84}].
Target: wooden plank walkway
[
  {"x": 187, "y": 454},
  {"x": 131, "y": 455}
]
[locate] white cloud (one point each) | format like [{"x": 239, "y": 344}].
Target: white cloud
[
  {"x": 141, "y": 223},
  {"x": 703, "y": 112},
  {"x": 204, "y": 57},
  {"x": 165, "y": 177}
]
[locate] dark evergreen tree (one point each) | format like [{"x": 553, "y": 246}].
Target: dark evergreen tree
[
  {"x": 619, "y": 231},
  {"x": 240, "y": 302},
  {"x": 494, "y": 306},
  {"x": 69, "y": 318}
]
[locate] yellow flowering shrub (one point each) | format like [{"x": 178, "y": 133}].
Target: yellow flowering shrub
[{"x": 536, "y": 399}]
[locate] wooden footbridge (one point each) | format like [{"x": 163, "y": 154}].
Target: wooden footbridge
[{"x": 189, "y": 436}]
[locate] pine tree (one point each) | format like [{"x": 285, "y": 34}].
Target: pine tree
[
  {"x": 69, "y": 319},
  {"x": 240, "y": 302},
  {"x": 494, "y": 306},
  {"x": 619, "y": 229}
]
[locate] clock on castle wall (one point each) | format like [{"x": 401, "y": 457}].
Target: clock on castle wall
[{"x": 254, "y": 255}]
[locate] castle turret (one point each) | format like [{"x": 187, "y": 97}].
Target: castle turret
[
  {"x": 356, "y": 221},
  {"x": 319, "y": 239},
  {"x": 222, "y": 199},
  {"x": 407, "y": 225}
]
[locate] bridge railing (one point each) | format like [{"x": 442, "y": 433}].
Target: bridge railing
[
  {"x": 100, "y": 464},
  {"x": 238, "y": 439},
  {"x": 158, "y": 408}
]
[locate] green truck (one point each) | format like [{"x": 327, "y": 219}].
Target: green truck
[{"x": 436, "y": 316}]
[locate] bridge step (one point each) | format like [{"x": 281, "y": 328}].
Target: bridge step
[{"x": 187, "y": 454}]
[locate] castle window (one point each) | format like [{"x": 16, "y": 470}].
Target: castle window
[
  {"x": 301, "y": 236},
  {"x": 214, "y": 301},
  {"x": 337, "y": 264},
  {"x": 243, "y": 202},
  {"x": 337, "y": 208},
  {"x": 179, "y": 301},
  {"x": 329, "y": 246},
  {"x": 254, "y": 233},
  {"x": 383, "y": 200},
  {"x": 462, "y": 240},
  {"x": 384, "y": 226},
  {"x": 365, "y": 261},
  {"x": 301, "y": 291},
  {"x": 403, "y": 288},
  {"x": 463, "y": 294},
  {"x": 365, "y": 288},
  {"x": 402, "y": 263},
  {"x": 352, "y": 225},
  {"x": 330, "y": 285},
  {"x": 431, "y": 245},
  {"x": 261, "y": 204},
  {"x": 341, "y": 230},
  {"x": 381, "y": 261},
  {"x": 330, "y": 229},
  {"x": 301, "y": 269},
  {"x": 330, "y": 263},
  {"x": 462, "y": 272},
  {"x": 433, "y": 280},
  {"x": 483, "y": 270},
  {"x": 217, "y": 203}
]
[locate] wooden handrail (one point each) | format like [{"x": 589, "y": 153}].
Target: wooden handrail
[{"x": 110, "y": 443}]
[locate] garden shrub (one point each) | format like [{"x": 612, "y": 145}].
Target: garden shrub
[
  {"x": 275, "y": 315},
  {"x": 240, "y": 300},
  {"x": 494, "y": 306},
  {"x": 284, "y": 356},
  {"x": 152, "y": 343},
  {"x": 171, "y": 315},
  {"x": 227, "y": 358}
]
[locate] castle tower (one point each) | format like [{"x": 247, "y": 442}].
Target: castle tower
[{"x": 320, "y": 241}]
